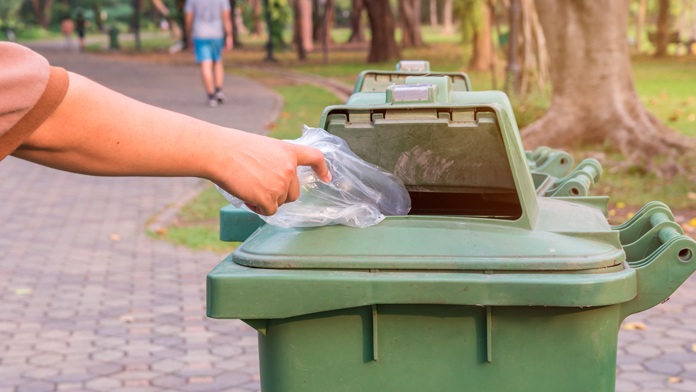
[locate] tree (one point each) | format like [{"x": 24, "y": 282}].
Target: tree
[
  {"x": 235, "y": 27},
  {"x": 325, "y": 22},
  {"x": 8, "y": 12},
  {"x": 256, "y": 17},
  {"x": 410, "y": 19},
  {"x": 383, "y": 45},
  {"x": 594, "y": 99},
  {"x": 297, "y": 32},
  {"x": 136, "y": 22},
  {"x": 433, "y": 12},
  {"x": 447, "y": 18},
  {"x": 357, "y": 28},
  {"x": 662, "y": 36},
  {"x": 181, "y": 17},
  {"x": 42, "y": 11},
  {"x": 475, "y": 26},
  {"x": 96, "y": 7},
  {"x": 640, "y": 22}
]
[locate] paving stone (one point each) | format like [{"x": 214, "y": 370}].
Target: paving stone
[
  {"x": 35, "y": 386},
  {"x": 105, "y": 369},
  {"x": 169, "y": 381},
  {"x": 663, "y": 366},
  {"x": 642, "y": 349},
  {"x": 44, "y": 359},
  {"x": 103, "y": 384},
  {"x": 40, "y": 372}
]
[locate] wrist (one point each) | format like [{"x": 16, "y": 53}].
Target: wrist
[{"x": 219, "y": 162}]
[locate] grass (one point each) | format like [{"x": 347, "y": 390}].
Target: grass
[
  {"x": 160, "y": 44},
  {"x": 304, "y": 104},
  {"x": 666, "y": 86},
  {"x": 197, "y": 225}
]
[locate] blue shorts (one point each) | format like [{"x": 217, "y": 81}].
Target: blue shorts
[{"x": 208, "y": 49}]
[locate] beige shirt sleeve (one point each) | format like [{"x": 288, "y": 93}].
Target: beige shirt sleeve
[{"x": 30, "y": 90}]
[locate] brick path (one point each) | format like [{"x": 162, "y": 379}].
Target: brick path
[{"x": 89, "y": 302}]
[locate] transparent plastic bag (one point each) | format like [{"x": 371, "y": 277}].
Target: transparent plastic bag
[{"x": 360, "y": 194}]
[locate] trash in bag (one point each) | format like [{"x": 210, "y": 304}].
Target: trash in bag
[{"x": 359, "y": 194}]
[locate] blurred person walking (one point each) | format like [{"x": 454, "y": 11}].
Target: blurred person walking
[
  {"x": 80, "y": 24},
  {"x": 209, "y": 26},
  {"x": 67, "y": 27}
]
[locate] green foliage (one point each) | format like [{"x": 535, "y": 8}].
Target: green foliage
[
  {"x": 281, "y": 16},
  {"x": 470, "y": 17},
  {"x": 9, "y": 10}
]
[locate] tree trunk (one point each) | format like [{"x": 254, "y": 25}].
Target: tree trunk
[
  {"x": 357, "y": 28},
  {"x": 316, "y": 21},
  {"x": 482, "y": 55},
  {"x": 640, "y": 22},
  {"x": 594, "y": 99},
  {"x": 239, "y": 24},
  {"x": 38, "y": 13},
  {"x": 447, "y": 18},
  {"x": 410, "y": 15},
  {"x": 182, "y": 23},
  {"x": 327, "y": 26},
  {"x": 97, "y": 16},
  {"x": 433, "y": 12},
  {"x": 383, "y": 45},
  {"x": 662, "y": 36},
  {"x": 256, "y": 18},
  {"x": 136, "y": 23},
  {"x": 47, "y": 11},
  {"x": 297, "y": 30},
  {"x": 235, "y": 28},
  {"x": 328, "y": 15}
]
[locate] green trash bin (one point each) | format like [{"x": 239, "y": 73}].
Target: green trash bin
[
  {"x": 484, "y": 286},
  {"x": 113, "y": 38},
  {"x": 378, "y": 81}
]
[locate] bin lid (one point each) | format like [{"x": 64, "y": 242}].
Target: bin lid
[
  {"x": 566, "y": 237},
  {"x": 474, "y": 202}
]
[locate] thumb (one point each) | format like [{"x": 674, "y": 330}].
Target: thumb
[{"x": 309, "y": 156}]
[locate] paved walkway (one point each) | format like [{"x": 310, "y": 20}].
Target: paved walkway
[{"x": 89, "y": 302}]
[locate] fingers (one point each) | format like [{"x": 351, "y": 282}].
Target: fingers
[
  {"x": 267, "y": 207},
  {"x": 293, "y": 190},
  {"x": 308, "y": 156},
  {"x": 253, "y": 208}
]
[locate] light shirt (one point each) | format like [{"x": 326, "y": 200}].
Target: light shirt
[{"x": 207, "y": 17}]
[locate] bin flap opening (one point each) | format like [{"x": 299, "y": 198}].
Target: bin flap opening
[
  {"x": 378, "y": 81},
  {"x": 412, "y": 93},
  {"x": 453, "y": 160},
  {"x": 413, "y": 65}
]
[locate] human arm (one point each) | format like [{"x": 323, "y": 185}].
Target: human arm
[
  {"x": 97, "y": 131},
  {"x": 227, "y": 21}
]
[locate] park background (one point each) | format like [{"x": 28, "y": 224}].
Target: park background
[
  {"x": 312, "y": 69},
  {"x": 454, "y": 35}
]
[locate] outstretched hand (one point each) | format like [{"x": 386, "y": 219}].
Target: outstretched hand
[
  {"x": 263, "y": 171},
  {"x": 97, "y": 131}
]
